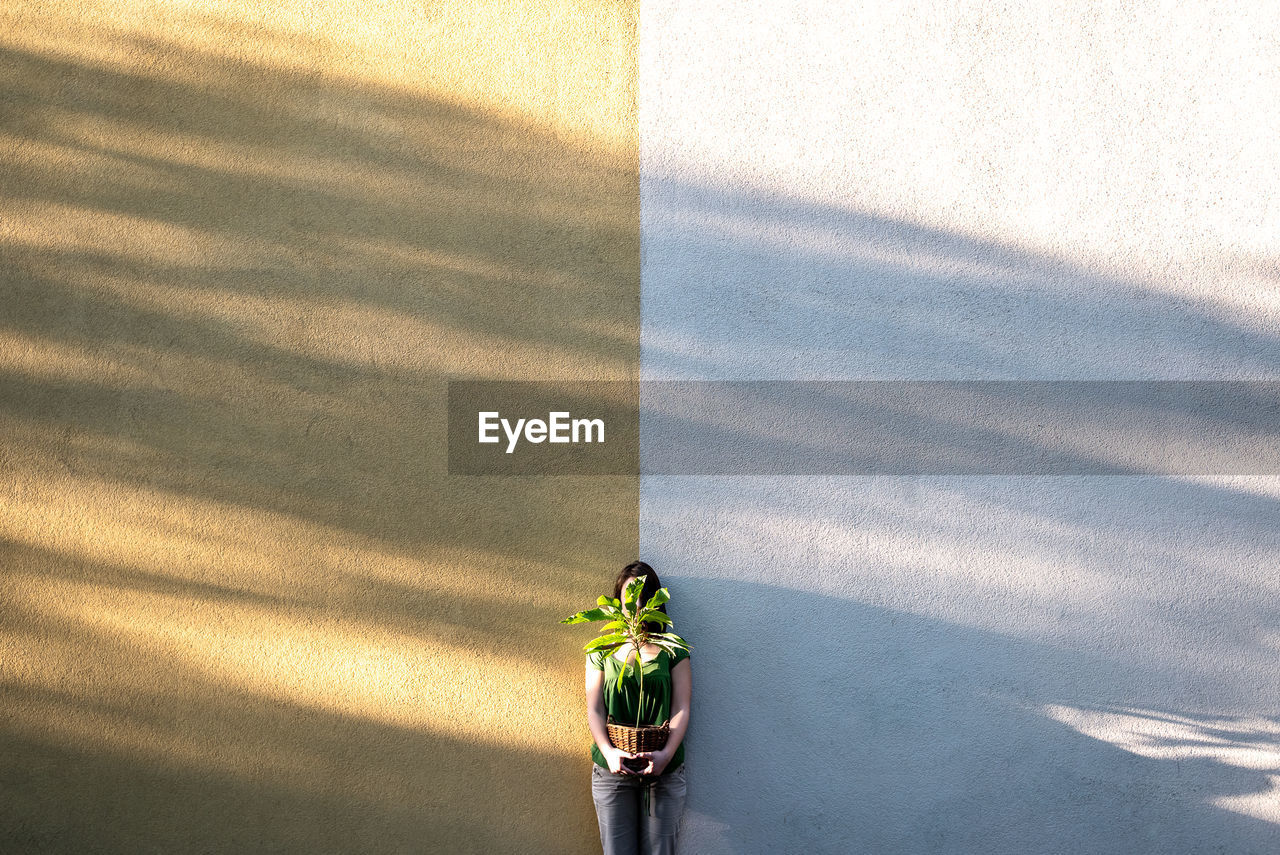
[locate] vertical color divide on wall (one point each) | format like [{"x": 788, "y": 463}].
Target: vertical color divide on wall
[{"x": 245, "y": 607}]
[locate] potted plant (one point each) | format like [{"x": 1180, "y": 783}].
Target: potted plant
[{"x": 628, "y": 622}]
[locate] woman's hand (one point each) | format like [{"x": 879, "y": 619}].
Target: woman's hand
[
  {"x": 658, "y": 761},
  {"x": 615, "y": 756}
]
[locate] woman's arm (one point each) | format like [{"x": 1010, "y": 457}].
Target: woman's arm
[
  {"x": 681, "y": 691},
  {"x": 596, "y": 717}
]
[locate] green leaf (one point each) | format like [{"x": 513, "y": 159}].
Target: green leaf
[
  {"x": 659, "y": 597},
  {"x": 603, "y": 641},
  {"x": 603, "y": 648},
  {"x": 604, "y": 601},
  {"x": 622, "y": 672},
  {"x": 588, "y": 615},
  {"x": 617, "y": 624},
  {"x": 631, "y": 595},
  {"x": 654, "y": 615},
  {"x": 671, "y": 638},
  {"x": 672, "y": 650}
]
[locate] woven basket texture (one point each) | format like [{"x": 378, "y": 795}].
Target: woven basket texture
[{"x": 637, "y": 739}]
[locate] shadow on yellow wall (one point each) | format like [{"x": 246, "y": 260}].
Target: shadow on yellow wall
[{"x": 244, "y": 606}]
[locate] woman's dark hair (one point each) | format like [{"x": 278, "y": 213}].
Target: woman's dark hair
[{"x": 651, "y": 586}]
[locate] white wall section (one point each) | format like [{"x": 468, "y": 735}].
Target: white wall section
[{"x": 983, "y": 664}]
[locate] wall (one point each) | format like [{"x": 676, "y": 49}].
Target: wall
[
  {"x": 994, "y": 664},
  {"x": 245, "y": 608}
]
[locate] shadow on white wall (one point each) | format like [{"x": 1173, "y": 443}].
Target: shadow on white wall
[{"x": 875, "y": 656}]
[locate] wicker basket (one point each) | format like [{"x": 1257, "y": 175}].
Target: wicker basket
[{"x": 635, "y": 740}]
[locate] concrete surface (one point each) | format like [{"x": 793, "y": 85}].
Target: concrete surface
[
  {"x": 243, "y": 247},
  {"x": 244, "y": 609},
  {"x": 981, "y": 664}
]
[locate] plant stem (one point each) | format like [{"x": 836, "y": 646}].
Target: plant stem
[{"x": 640, "y": 700}]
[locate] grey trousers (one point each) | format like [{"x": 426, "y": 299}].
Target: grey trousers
[{"x": 633, "y": 822}]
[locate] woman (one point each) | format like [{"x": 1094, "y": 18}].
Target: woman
[{"x": 638, "y": 811}]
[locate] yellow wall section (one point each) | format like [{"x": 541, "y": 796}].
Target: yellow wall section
[{"x": 244, "y": 607}]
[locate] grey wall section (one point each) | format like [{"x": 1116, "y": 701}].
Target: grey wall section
[
  {"x": 961, "y": 664},
  {"x": 978, "y": 664}
]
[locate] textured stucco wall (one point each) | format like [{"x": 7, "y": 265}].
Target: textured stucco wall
[
  {"x": 242, "y": 246},
  {"x": 921, "y": 191}
]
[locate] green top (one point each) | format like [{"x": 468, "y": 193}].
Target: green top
[{"x": 622, "y": 704}]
